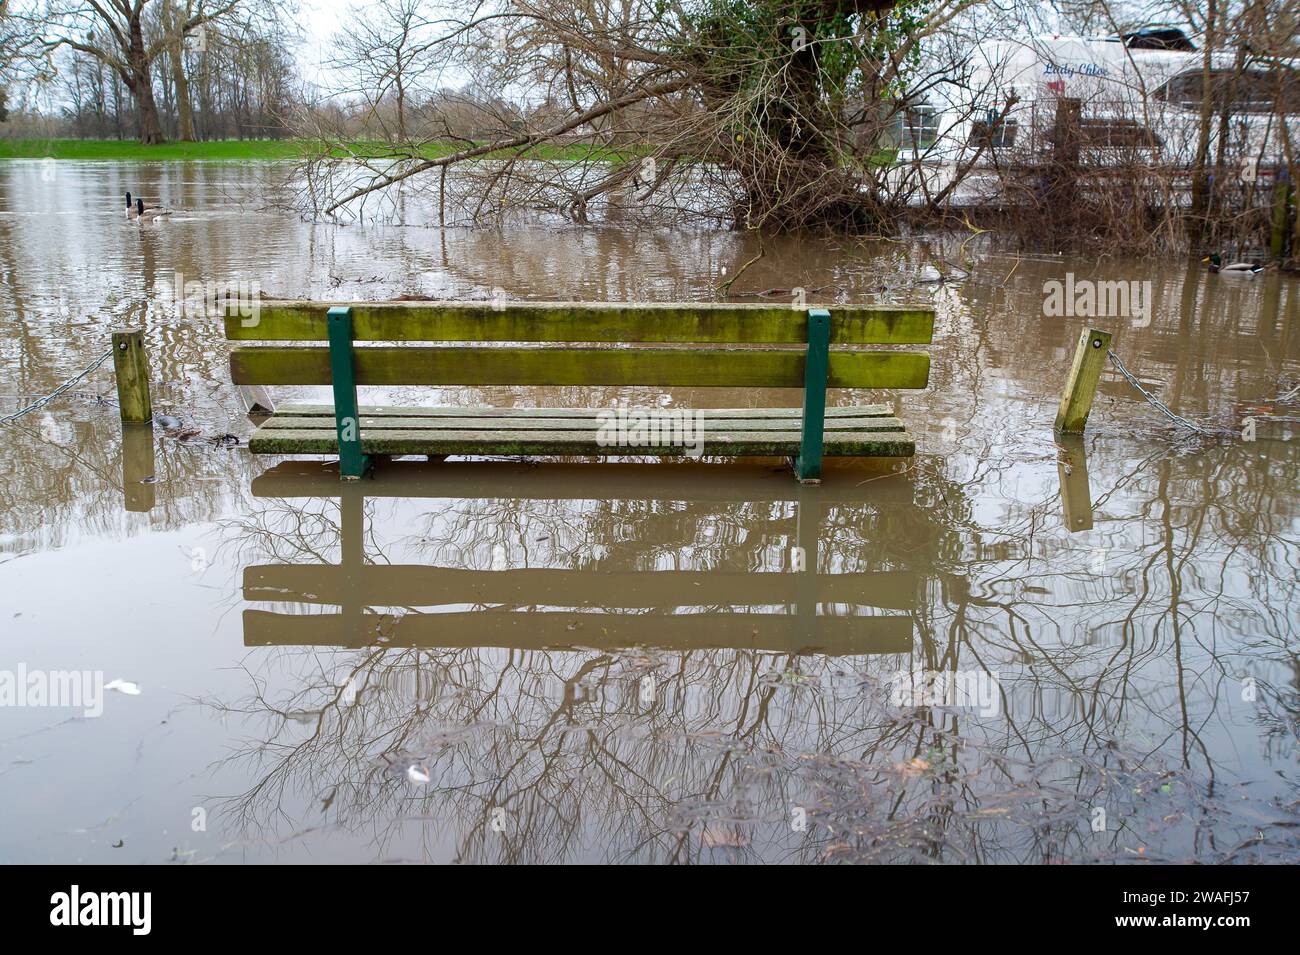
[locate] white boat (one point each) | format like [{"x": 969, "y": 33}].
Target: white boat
[{"x": 1139, "y": 100}]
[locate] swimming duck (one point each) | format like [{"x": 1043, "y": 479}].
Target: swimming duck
[
  {"x": 1215, "y": 264},
  {"x": 142, "y": 213}
]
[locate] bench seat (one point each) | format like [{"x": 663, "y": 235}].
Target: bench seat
[{"x": 855, "y": 431}]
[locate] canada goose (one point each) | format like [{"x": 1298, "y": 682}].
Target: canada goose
[
  {"x": 1215, "y": 264},
  {"x": 142, "y": 213},
  {"x": 133, "y": 207}
]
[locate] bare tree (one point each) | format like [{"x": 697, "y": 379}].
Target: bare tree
[
  {"x": 784, "y": 100},
  {"x": 114, "y": 32},
  {"x": 20, "y": 53},
  {"x": 385, "y": 51}
]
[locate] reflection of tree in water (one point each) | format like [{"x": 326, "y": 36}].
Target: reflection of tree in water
[{"x": 1108, "y": 688}]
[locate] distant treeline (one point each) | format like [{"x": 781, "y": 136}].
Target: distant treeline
[
  {"x": 154, "y": 70},
  {"x": 243, "y": 90}
]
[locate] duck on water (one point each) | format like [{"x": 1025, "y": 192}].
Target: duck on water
[
  {"x": 1215, "y": 265},
  {"x": 139, "y": 210}
]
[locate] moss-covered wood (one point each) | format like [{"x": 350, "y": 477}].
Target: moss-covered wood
[
  {"x": 131, "y": 369},
  {"x": 715, "y": 323},
  {"x": 662, "y": 367},
  {"x": 1081, "y": 385}
]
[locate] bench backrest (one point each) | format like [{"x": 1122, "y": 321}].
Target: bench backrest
[{"x": 655, "y": 333}]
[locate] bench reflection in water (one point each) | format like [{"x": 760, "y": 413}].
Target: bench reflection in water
[{"x": 611, "y": 602}]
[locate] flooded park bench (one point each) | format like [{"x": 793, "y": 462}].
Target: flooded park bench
[
  {"x": 613, "y": 601},
  {"x": 738, "y": 346}
]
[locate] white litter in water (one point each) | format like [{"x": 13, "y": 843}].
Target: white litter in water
[{"x": 124, "y": 686}]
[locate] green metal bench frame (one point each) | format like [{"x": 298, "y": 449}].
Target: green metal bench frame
[{"x": 344, "y": 366}]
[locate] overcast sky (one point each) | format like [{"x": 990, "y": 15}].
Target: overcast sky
[{"x": 320, "y": 20}]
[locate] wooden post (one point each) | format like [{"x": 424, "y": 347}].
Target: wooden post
[
  {"x": 1066, "y": 132},
  {"x": 131, "y": 367},
  {"x": 808, "y": 466},
  {"x": 347, "y": 421},
  {"x": 1081, "y": 386}
]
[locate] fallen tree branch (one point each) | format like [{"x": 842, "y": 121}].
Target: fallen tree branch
[{"x": 515, "y": 142}]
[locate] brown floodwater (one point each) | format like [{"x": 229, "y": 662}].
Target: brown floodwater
[{"x": 487, "y": 661}]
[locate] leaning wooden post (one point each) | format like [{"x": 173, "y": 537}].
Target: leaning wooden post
[
  {"x": 131, "y": 367},
  {"x": 1081, "y": 386},
  {"x": 808, "y": 466},
  {"x": 347, "y": 421}
]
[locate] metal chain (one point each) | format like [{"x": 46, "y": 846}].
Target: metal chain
[
  {"x": 59, "y": 390},
  {"x": 1162, "y": 407}
]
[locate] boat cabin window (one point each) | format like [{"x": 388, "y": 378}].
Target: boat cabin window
[
  {"x": 1112, "y": 133},
  {"x": 916, "y": 127},
  {"x": 1251, "y": 91},
  {"x": 1159, "y": 38},
  {"x": 994, "y": 132}
]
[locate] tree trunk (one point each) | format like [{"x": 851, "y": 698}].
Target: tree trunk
[
  {"x": 401, "y": 105},
  {"x": 182, "y": 84},
  {"x": 176, "y": 58},
  {"x": 140, "y": 81},
  {"x": 150, "y": 127},
  {"x": 1200, "y": 199}
]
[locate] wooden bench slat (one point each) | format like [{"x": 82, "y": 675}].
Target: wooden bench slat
[
  {"x": 705, "y": 323},
  {"x": 371, "y": 424},
  {"x": 540, "y": 631},
  {"x": 486, "y": 411},
  {"x": 663, "y": 367},
  {"x": 510, "y": 442},
  {"x": 418, "y": 585}
]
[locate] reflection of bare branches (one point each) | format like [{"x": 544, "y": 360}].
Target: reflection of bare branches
[{"x": 556, "y": 754}]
